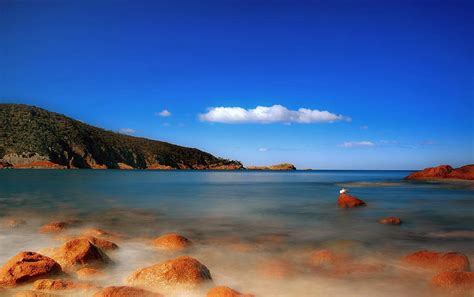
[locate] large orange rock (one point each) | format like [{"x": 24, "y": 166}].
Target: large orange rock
[
  {"x": 60, "y": 284},
  {"x": 182, "y": 272},
  {"x": 443, "y": 172},
  {"x": 455, "y": 281},
  {"x": 172, "y": 241},
  {"x": 79, "y": 253},
  {"x": 451, "y": 261},
  {"x": 222, "y": 291},
  {"x": 26, "y": 267},
  {"x": 124, "y": 291},
  {"x": 390, "y": 221},
  {"x": 349, "y": 201}
]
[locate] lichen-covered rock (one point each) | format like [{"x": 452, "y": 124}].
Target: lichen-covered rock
[
  {"x": 390, "y": 221},
  {"x": 172, "y": 241},
  {"x": 222, "y": 291},
  {"x": 124, "y": 291},
  {"x": 451, "y": 261},
  {"x": 61, "y": 284},
  {"x": 349, "y": 201},
  {"x": 27, "y": 267},
  {"x": 79, "y": 253},
  {"x": 182, "y": 272}
]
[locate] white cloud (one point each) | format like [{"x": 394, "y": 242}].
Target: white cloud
[
  {"x": 364, "y": 127},
  {"x": 164, "y": 113},
  {"x": 262, "y": 149},
  {"x": 126, "y": 131},
  {"x": 269, "y": 114},
  {"x": 166, "y": 125},
  {"x": 356, "y": 144}
]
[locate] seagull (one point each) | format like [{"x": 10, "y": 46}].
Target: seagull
[{"x": 342, "y": 191}]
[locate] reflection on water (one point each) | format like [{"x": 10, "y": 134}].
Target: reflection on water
[{"x": 255, "y": 231}]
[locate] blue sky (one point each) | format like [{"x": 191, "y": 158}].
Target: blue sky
[{"x": 395, "y": 77}]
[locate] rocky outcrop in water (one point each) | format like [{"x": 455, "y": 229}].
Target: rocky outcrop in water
[
  {"x": 390, "y": 221},
  {"x": 27, "y": 267},
  {"x": 430, "y": 260},
  {"x": 443, "y": 172},
  {"x": 78, "y": 253},
  {"x": 179, "y": 273},
  {"x": 348, "y": 201},
  {"x": 31, "y": 137},
  {"x": 172, "y": 242},
  {"x": 222, "y": 291}
]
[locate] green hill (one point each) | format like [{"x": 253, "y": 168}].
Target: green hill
[{"x": 34, "y": 137}]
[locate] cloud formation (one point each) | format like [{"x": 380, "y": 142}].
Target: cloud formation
[
  {"x": 268, "y": 115},
  {"x": 262, "y": 149},
  {"x": 164, "y": 113},
  {"x": 350, "y": 144},
  {"x": 126, "y": 131}
]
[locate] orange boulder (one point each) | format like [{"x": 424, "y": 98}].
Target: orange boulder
[
  {"x": 102, "y": 243},
  {"x": 324, "y": 258},
  {"x": 124, "y": 291},
  {"x": 222, "y": 291},
  {"x": 182, "y": 272},
  {"x": 26, "y": 267},
  {"x": 172, "y": 241},
  {"x": 349, "y": 201},
  {"x": 80, "y": 253},
  {"x": 54, "y": 227},
  {"x": 430, "y": 260}
]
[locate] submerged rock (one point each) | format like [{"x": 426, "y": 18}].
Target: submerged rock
[
  {"x": 124, "y": 291},
  {"x": 390, "y": 221},
  {"x": 325, "y": 258},
  {"x": 348, "y": 201},
  {"x": 61, "y": 284},
  {"x": 13, "y": 223},
  {"x": 276, "y": 269},
  {"x": 87, "y": 273},
  {"x": 451, "y": 261},
  {"x": 172, "y": 241},
  {"x": 54, "y": 227},
  {"x": 222, "y": 291},
  {"x": 27, "y": 267},
  {"x": 80, "y": 253},
  {"x": 31, "y": 293},
  {"x": 182, "y": 272}
]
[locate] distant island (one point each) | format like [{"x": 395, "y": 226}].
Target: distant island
[
  {"x": 32, "y": 137},
  {"x": 443, "y": 172}
]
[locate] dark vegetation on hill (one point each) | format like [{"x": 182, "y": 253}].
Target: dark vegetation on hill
[{"x": 33, "y": 137}]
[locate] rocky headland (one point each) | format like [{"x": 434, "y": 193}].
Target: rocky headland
[
  {"x": 444, "y": 172},
  {"x": 283, "y": 166}
]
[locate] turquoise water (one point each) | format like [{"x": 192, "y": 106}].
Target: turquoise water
[{"x": 299, "y": 208}]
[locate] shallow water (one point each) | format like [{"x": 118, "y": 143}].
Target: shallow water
[{"x": 241, "y": 221}]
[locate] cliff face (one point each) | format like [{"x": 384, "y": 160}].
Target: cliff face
[
  {"x": 32, "y": 137},
  {"x": 444, "y": 172}
]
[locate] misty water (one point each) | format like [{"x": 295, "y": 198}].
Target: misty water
[{"x": 255, "y": 231}]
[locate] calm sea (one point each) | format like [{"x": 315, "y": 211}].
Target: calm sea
[{"x": 297, "y": 209}]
